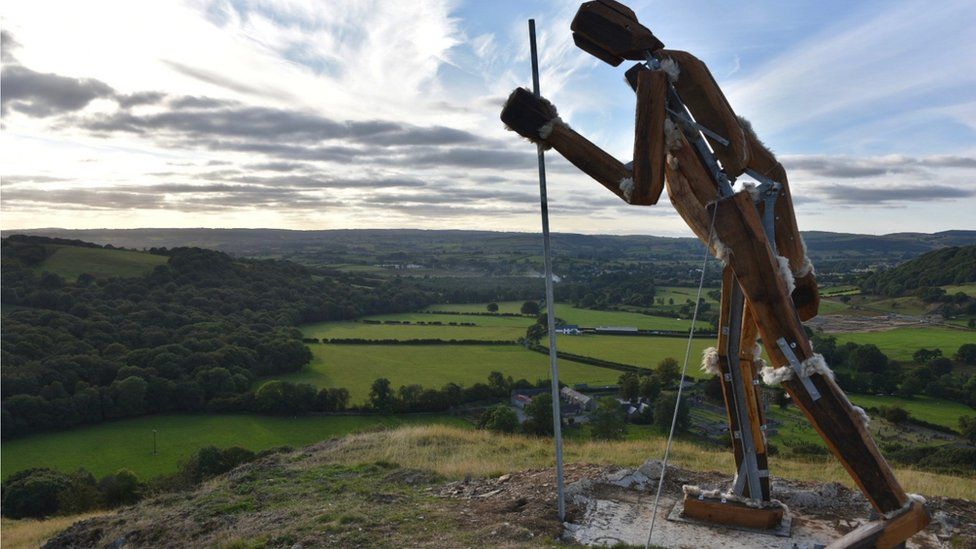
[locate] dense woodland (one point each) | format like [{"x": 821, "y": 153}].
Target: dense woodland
[
  {"x": 953, "y": 265},
  {"x": 199, "y": 329}
]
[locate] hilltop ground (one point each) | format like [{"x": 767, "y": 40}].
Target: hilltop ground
[{"x": 439, "y": 486}]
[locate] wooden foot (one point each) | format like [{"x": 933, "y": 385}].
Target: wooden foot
[
  {"x": 885, "y": 534},
  {"x": 732, "y": 513}
]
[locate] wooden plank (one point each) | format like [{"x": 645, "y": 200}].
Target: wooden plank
[
  {"x": 613, "y": 29},
  {"x": 699, "y": 92},
  {"x": 885, "y": 534},
  {"x": 526, "y": 114},
  {"x": 739, "y": 227},
  {"x": 649, "y": 153},
  {"x": 733, "y": 513},
  {"x": 788, "y": 241},
  {"x": 722, "y": 347}
]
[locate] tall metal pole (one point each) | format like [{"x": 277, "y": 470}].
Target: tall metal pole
[{"x": 557, "y": 430}]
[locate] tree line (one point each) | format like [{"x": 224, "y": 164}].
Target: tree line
[{"x": 197, "y": 330}]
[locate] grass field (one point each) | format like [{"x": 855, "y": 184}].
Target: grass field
[
  {"x": 108, "y": 447},
  {"x": 932, "y": 410},
  {"x": 30, "y": 533},
  {"x": 681, "y": 294},
  {"x": 635, "y": 350},
  {"x": 347, "y": 330},
  {"x": 355, "y": 367},
  {"x": 71, "y": 261},
  {"x": 900, "y": 343},
  {"x": 968, "y": 289},
  {"x": 574, "y": 315}
]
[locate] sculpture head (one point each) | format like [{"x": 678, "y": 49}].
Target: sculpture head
[{"x": 610, "y": 31}]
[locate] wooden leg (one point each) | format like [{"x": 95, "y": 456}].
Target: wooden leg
[{"x": 739, "y": 228}]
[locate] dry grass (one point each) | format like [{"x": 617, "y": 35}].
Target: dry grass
[
  {"x": 16, "y": 534},
  {"x": 456, "y": 453}
]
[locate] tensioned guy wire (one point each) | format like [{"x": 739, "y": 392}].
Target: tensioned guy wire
[{"x": 681, "y": 382}]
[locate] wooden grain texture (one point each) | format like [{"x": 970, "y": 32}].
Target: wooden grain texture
[
  {"x": 612, "y": 29},
  {"x": 885, "y": 534},
  {"x": 701, "y": 94},
  {"x": 649, "y": 153},
  {"x": 592, "y": 160},
  {"x": 733, "y": 513},
  {"x": 738, "y": 226},
  {"x": 525, "y": 114},
  {"x": 788, "y": 240}
]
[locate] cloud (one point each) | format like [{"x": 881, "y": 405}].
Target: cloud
[
  {"x": 224, "y": 82},
  {"x": 7, "y": 46},
  {"x": 847, "y": 167},
  {"x": 42, "y": 95},
  {"x": 855, "y": 194}
]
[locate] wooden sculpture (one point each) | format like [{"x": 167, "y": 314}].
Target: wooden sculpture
[{"x": 689, "y": 138}]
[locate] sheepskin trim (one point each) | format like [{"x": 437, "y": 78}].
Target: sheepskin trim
[
  {"x": 672, "y": 162},
  {"x": 671, "y": 68},
  {"x": 752, "y": 189},
  {"x": 816, "y": 365},
  {"x": 710, "y": 361},
  {"x": 546, "y": 130},
  {"x": 751, "y": 132},
  {"x": 865, "y": 418},
  {"x": 696, "y": 492},
  {"x": 776, "y": 376},
  {"x": 627, "y": 187},
  {"x": 672, "y": 135},
  {"x": 807, "y": 267},
  {"x": 722, "y": 252},
  {"x": 912, "y": 498},
  {"x": 786, "y": 274}
]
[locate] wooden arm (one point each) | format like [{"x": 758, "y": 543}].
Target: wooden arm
[{"x": 537, "y": 120}]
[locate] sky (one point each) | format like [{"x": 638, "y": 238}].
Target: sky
[{"x": 302, "y": 114}]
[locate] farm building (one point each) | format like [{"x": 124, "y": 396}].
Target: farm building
[
  {"x": 568, "y": 329},
  {"x": 573, "y": 396}
]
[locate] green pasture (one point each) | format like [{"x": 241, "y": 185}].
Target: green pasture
[
  {"x": 588, "y": 318},
  {"x": 640, "y": 351},
  {"x": 832, "y": 307},
  {"x": 932, "y": 410},
  {"x": 681, "y": 294},
  {"x": 355, "y": 367},
  {"x": 901, "y": 343},
  {"x": 847, "y": 289},
  {"x": 968, "y": 289},
  {"x": 486, "y": 320},
  {"x": 71, "y": 261},
  {"x": 348, "y": 330},
  {"x": 108, "y": 447}
]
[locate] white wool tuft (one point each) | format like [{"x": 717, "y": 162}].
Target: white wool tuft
[
  {"x": 865, "y": 418},
  {"x": 816, "y": 365},
  {"x": 912, "y": 498},
  {"x": 672, "y": 162},
  {"x": 627, "y": 187},
  {"x": 672, "y": 135},
  {"x": 697, "y": 492},
  {"x": 671, "y": 68},
  {"x": 722, "y": 252},
  {"x": 786, "y": 274},
  {"x": 775, "y": 376},
  {"x": 807, "y": 266},
  {"x": 546, "y": 130},
  {"x": 917, "y": 497},
  {"x": 752, "y": 189},
  {"x": 710, "y": 361}
]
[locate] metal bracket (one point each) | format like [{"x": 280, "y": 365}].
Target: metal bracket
[{"x": 787, "y": 351}]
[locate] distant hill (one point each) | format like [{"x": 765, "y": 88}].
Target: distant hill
[
  {"x": 71, "y": 258},
  {"x": 393, "y": 245},
  {"x": 953, "y": 265}
]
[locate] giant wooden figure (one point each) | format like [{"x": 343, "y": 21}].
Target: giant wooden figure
[{"x": 688, "y": 137}]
